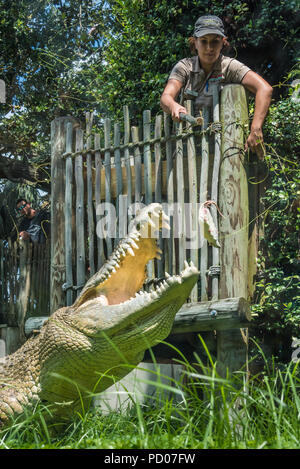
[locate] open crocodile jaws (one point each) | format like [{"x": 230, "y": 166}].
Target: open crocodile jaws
[{"x": 84, "y": 348}]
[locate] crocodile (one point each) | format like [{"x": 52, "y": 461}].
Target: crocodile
[{"x": 84, "y": 348}]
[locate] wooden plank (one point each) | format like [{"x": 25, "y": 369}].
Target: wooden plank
[
  {"x": 80, "y": 241},
  {"x": 89, "y": 184},
  {"x": 137, "y": 166},
  {"x": 233, "y": 195},
  {"x": 148, "y": 172},
  {"x": 169, "y": 191},
  {"x": 99, "y": 184},
  {"x": 193, "y": 195},
  {"x": 117, "y": 155},
  {"x": 128, "y": 161},
  {"x": 108, "y": 195},
  {"x": 179, "y": 231},
  {"x": 202, "y": 199},
  {"x": 158, "y": 185},
  {"x": 147, "y": 157},
  {"x": 233, "y": 202},
  {"x": 212, "y": 315},
  {"x": 215, "y": 186},
  {"x": 68, "y": 213}
]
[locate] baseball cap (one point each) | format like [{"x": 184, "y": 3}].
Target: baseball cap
[{"x": 209, "y": 24}]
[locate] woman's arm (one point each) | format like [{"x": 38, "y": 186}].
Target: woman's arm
[
  {"x": 263, "y": 94},
  {"x": 168, "y": 97}
]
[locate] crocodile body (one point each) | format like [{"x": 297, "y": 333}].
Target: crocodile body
[{"x": 82, "y": 349}]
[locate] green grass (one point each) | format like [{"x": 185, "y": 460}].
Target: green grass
[{"x": 237, "y": 413}]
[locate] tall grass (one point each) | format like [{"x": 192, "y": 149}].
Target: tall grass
[{"x": 202, "y": 410}]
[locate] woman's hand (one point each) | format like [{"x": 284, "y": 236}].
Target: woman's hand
[
  {"x": 255, "y": 142},
  {"x": 175, "y": 110},
  {"x": 168, "y": 99},
  {"x": 263, "y": 94}
]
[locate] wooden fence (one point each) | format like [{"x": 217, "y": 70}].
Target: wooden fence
[
  {"x": 98, "y": 174},
  {"x": 24, "y": 284}
]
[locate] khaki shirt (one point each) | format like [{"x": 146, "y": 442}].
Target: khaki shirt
[{"x": 189, "y": 72}]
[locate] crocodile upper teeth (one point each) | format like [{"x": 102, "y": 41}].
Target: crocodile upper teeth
[{"x": 133, "y": 243}]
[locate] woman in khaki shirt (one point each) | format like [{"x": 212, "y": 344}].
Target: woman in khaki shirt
[{"x": 194, "y": 73}]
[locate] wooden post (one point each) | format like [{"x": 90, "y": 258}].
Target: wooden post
[
  {"x": 233, "y": 202},
  {"x": 68, "y": 214},
  {"x": 57, "y": 269},
  {"x": 89, "y": 185},
  {"x": 193, "y": 192}
]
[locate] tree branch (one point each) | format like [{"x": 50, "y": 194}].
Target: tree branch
[{"x": 18, "y": 171}]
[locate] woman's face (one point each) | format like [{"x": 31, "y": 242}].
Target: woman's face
[{"x": 209, "y": 48}]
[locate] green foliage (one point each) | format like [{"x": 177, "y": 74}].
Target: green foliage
[
  {"x": 45, "y": 52},
  {"x": 212, "y": 413},
  {"x": 279, "y": 283},
  {"x": 147, "y": 38}
]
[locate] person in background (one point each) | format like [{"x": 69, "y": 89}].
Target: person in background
[
  {"x": 195, "y": 73},
  {"x": 35, "y": 226}
]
